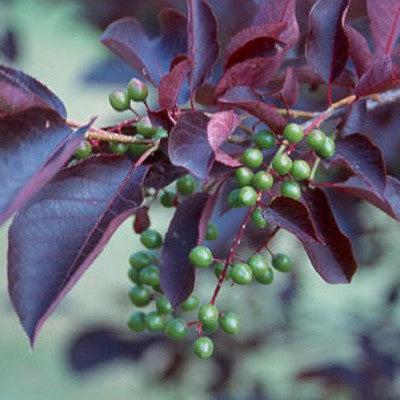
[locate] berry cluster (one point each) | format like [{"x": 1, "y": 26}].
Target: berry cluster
[{"x": 136, "y": 91}]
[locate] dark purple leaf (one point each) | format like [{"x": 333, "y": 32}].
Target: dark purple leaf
[
  {"x": 202, "y": 41},
  {"x": 34, "y": 145},
  {"x": 385, "y": 24},
  {"x": 364, "y": 159},
  {"x": 150, "y": 57},
  {"x": 359, "y": 50},
  {"x": 389, "y": 201},
  {"x": 382, "y": 75},
  {"x": 254, "y": 73},
  {"x": 274, "y": 11},
  {"x": 189, "y": 146},
  {"x": 256, "y": 41},
  {"x": 61, "y": 231},
  {"x": 290, "y": 88},
  {"x": 334, "y": 260},
  {"x": 327, "y": 49},
  {"x": 292, "y": 216},
  {"x": 246, "y": 99},
  {"x": 171, "y": 85},
  {"x": 99, "y": 345},
  {"x": 142, "y": 220},
  {"x": 220, "y": 126},
  {"x": 177, "y": 274},
  {"x": 9, "y": 45},
  {"x": 19, "y": 92}
]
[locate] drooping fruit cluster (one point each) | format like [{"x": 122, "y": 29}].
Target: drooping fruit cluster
[{"x": 141, "y": 127}]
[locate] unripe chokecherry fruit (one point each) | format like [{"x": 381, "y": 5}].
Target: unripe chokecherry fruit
[
  {"x": 263, "y": 181},
  {"x": 315, "y": 139},
  {"x": 140, "y": 296},
  {"x": 167, "y": 199},
  {"x": 300, "y": 170},
  {"x": 293, "y": 133},
  {"x": 258, "y": 264},
  {"x": 118, "y": 148},
  {"x": 176, "y": 329},
  {"x": 247, "y": 196},
  {"x": 212, "y": 231},
  {"x": 252, "y": 158},
  {"x": 258, "y": 219},
  {"x": 136, "y": 322},
  {"x": 137, "y": 90},
  {"x": 154, "y": 321},
  {"x": 203, "y": 347},
  {"x": 84, "y": 150},
  {"x": 150, "y": 276},
  {"x": 145, "y": 128},
  {"x": 208, "y": 316},
  {"x": 191, "y": 303},
  {"x": 291, "y": 189},
  {"x": 186, "y": 185},
  {"x": 328, "y": 148},
  {"x": 282, "y": 164},
  {"x": 119, "y": 100},
  {"x": 282, "y": 262},
  {"x": 163, "y": 305},
  {"x": 265, "y": 278},
  {"x": 229, "y": 322},
  {"x": 240, "y": 273},
  {"x": 244, "y": 176},
  {"x": 151, "y": 239},
  {"x": 264, "y": 139},
  {"x": 201, "y": 256}
]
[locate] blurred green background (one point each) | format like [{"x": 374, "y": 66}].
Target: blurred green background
[{"x": 56, "y": 48}]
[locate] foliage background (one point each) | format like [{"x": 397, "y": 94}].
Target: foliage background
[{"x": 58, "y": 48}]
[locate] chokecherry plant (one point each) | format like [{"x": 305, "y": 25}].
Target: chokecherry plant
[{"x": 229, "y": 134}]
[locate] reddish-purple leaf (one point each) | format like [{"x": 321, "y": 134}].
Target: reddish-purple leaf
[
  {"x": 385, "y": 24},
  {"x": 220, "y": 126},
  {"x": 327, "y": 49},
  {"x": 188, "y": 145},
  {"x": 389, "y": 201},
  {"x": 202, "y": 41},
  {"x": 382, "y": 75},
  {"x": 246, "y": 99},
  {"x": 274, "y": 11},
  {"x": 34, "y": 145},
  {"x": 334, "y": 260},
  {"x": 142, "y": 220},
  {"x": 58, "y": 235},
  {"x": 359, "y": 50},
  {"x": 254, "y": 73},
  {"x": 364, "y": 159},
  {"x": 290, "y": 88},
  {"x": 177, "y": 274},
  {"x": 256, "y": 41},
  {"x": 150, "y": 57},
  {"x": 18, "y": 92},
  {"x": 292, "y": 216},
  {"x": 171, "y": 85}
]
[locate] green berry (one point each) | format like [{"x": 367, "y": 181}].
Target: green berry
[
  {"x": 118, "y": 148},
  {"x": 258, "y": 218},
  {"x": 282, "y": 262},
  {"x": 252, "y": 158},
  {"x": 154, "y": 321},
  {"x": 186, "y": 185},
  {"x": 218, "y": 268},
  {"x": 293, "y": 133},
  {"x": 229, "y": 322},
  {"x": 328, "y": 149},
  {"x": 212, "y": 231},
  {"x": 264, "y": 139},
  {"x": 266, "y": 277},
  {"x": 84, "y": 150},
  {"x": 140, "y": 259},
  {"x": 161, "y": 133},
  {"x": 137, "y": 149},
  {"x": 119, "y": 100},
  {"x": 151, "y": 239},
  {"x": 300, "y": 170},
  {"x": 316, "y": 139},
  {"x": 145, "y": 128},
  {"x": 258, "y": 264},
  {"x": 208, "y": 316},
  {"x": 240, "y": 273},
  {"x": 150, "y": 276},
  {"x": 244, "y": 176},
  {"x": 203, "y": 347},
  {"x": 263, "y": 181},
  {"x": 247, "y": 196},
  {"x": 176, "y": 329},
  {"x": 136, "y": 322},
  {"x": 133, "y": 275},
  {"x": 291, "y": 189},
  {"x": 282, "y": 164},
  {"x": 163, "y": 305},
  {"x": 140, "y": 296},
  {"x": 167, "y": 199},
  {"x": 191, "y": 303},
  {"x": 201, "y": 256},
  {"x": 233, "y": 198},
  {"x": 137, "y": 90}
]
